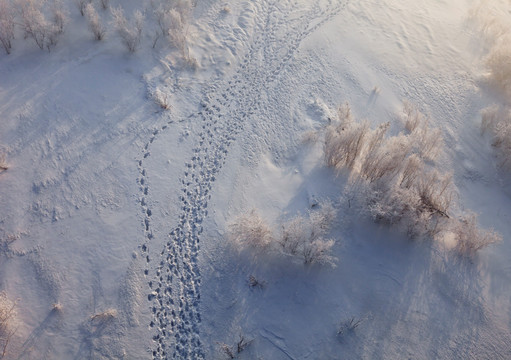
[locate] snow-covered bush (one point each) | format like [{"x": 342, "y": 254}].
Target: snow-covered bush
[
  {"x": 7, "y": 327},
  {"x": 302, "y": 236},
  {"x": 60, "y": 15},
  {"x": 250, "y": 231},
  {"x": 94, "y": 22},
  {"x": 105, "y": 4},
  {"x": 434, "y": 190},
  {"x": 469, "y": 238},
  {"x": 254, "y": 282},
  {"x": 57, "y": 308},
  {"x": 344, "y": 140},
  {"x": 3, "y": 161},
  {"x": 82, "y": 4},
  {"x": 349, "y": 325},
  {"x": 173, "y": 22},
  {"x": 427, "y": 141},
  {"x": 294, "y": 235},
  {"x": 310, "y": 137},
  {"x": 494, "y": 22},
  {"x": 34, "y": 24},
  {"x": 499, "y": 65},
  {"x": 104, "y": 316},
  {"x": 130, "y": 33},
  {"x": 496, "y": 120},
  {"x": 318, "y": 251},
  {"x": 161, "y": 98},
  {"x": 411, "y": 116},
  {"x": 7, "y": 25},
  {"x": 232, "y": 351},
  {"x": 384, "y": 161},
  {"x": 393, "y": 182}
]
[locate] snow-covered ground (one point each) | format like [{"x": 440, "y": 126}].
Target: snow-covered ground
[{"x": 118, "y": 210}]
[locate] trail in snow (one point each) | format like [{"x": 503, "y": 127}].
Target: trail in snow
[{"x": 174, "y": 278}]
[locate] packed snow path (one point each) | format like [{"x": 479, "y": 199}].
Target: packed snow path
[{"x": 174, "y": 278}]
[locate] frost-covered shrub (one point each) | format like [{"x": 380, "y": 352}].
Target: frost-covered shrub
[
  {"x": 250, "y": 231},
  {"x": 35, "y": 26},
  {"x": 7, "y": 24},
  {"x": 130, "y": 33},
  {"x": 412, "y": 168},
  {"x": 82, "y": 4},
  {"x": 499, "y": 65},
  {"x": 294, "y": 234},
  {"x": 232, "y": 351},
  {"x": 3, "y": 161},
  {"x": 94, "y": 22},
  {"x": 394, "y": 184},
  {"x": 310, "y": 137},
  {"x": 302, "y": 236},
  {"x": 469, "y": 238},
  {"x": 60, "y": 15},
  {"x": 411, "y": 116},
  {"x": 104, "y": 316},
  {"x": 161, "y": 98},
  {"x": 318, "y": 251},
  {"x": 105, "y": 4},
  {"x": 344, "y": 140},
  {"x": 33, "y": 22},
  {"x": 494, "y": 22},
  {"x": 496, "y": 120},
  {"x": 427, "y": 141},
  {"x": 384, "y": 162},
  {"x": 254, "y": 282},
  {"x": 7, "y": 327},
  {"x": 173, "y": 22},
  {"x": 434, "y": 190},
  {"x": 349, "y": 325}
]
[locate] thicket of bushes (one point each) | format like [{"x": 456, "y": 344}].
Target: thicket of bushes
[
  {"x": 395, "y": 177},
  {"x": 494, "y": 22},
  {"x": 301, "y": 237},
  {"x": 45, "y": 21}
]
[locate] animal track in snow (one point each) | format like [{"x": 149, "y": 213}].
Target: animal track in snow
[{"x": 174, "y": 277}]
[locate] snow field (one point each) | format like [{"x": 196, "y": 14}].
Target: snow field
[{"x": 125, "y": 170}]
